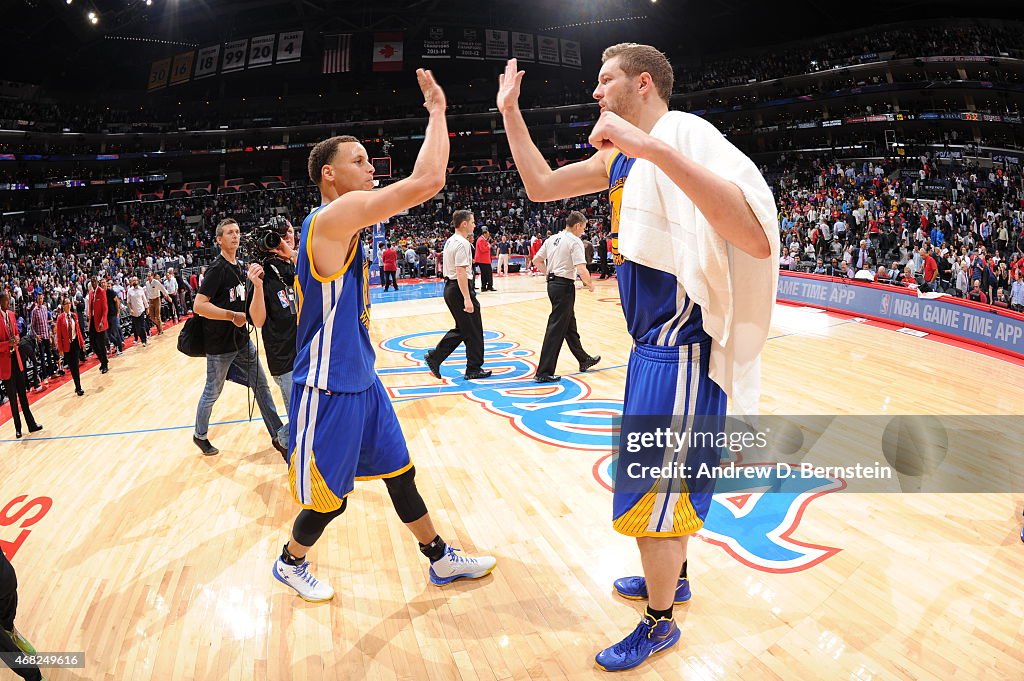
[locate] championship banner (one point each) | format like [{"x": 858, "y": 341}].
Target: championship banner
[
  {"x": 289, "y": 47},
  {"x": 522, "y": 46},
  {"x": 181, "y": 70},
  {"x": 158, "y": 74},
  {"x": 436, "y": 44},
  {"x": 470, "y": 45},
  {"x": 571, "y": 53},
  {"x": 388, "y": 51},
  {"x": 234, "y": 55},
  {"x": 261, "y": 51},
  {"x": 497, "y": 44},
  {"x": 206, "y": 65},
  {"x": 547, "y": 50}
]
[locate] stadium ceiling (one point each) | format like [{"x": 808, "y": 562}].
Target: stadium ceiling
[{"x": 48, "y": 41}]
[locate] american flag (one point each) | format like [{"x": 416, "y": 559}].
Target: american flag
[{"x": 337, "y": 50}]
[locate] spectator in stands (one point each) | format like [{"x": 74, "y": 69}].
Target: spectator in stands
[
  {"x": 1017, "y": 292},
  {"x": 977, "y": 294},
  {"x": 930, "y": 269},
  {"x": 962, "y": 280},
  {"x": 412, "y": 260},
  {"x": 786, "y": 261},
  {"x": 1001, "y": 300}
]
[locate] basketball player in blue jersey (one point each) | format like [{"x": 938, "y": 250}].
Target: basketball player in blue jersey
[
  {"x": 668, "y": 367},
  {"x": 343, "y": 427}
]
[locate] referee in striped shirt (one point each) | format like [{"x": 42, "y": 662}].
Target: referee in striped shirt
[{"x": 562, "y": 258}]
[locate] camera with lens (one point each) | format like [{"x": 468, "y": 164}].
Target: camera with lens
[{"x": 265, "y": 238}]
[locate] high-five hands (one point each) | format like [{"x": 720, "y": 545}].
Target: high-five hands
[
  {"x": 508, "y": 87},
  {"x": 433, "y": 96}
]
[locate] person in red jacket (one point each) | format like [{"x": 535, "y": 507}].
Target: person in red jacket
[
  {"x": 70, "y": 342},
  {"x": 482, "y": 260},
  {"x": 389, "y": 267},
  {"x": 931, "y": 270},
  {"x": 98, "y": 321},
  {"x": 12, "y": 369}
]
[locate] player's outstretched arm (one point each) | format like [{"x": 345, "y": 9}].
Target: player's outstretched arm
[
  {"x": 346, "y": 215},
  {"x": 542, "y": 183}
]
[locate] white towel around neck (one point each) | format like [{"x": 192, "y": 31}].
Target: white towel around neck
[{"x": 660, "y": 227}]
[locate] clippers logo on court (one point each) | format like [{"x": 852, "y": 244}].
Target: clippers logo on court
[{"x": 753, "y": 525}]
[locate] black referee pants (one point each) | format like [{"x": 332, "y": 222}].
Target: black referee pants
[
  {"x": 469, "y": 328},
  {"x": 561, "y": 326}
]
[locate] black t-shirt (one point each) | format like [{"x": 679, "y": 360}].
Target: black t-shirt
[
  {"x": 224, "y": 285},
  {"x": 112, "y": 302},
  {"x": 281, "y": 326}
]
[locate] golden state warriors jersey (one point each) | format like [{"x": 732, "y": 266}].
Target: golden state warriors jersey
[
  {"x": 333, "y": 349},
  {"x": 657, "y": 309}
]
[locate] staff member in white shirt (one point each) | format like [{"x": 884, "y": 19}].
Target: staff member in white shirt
[
  {"x": 562, "y": 258},
  {"x": 460, "y": 297},
  {"x": 137, "y": 311}
]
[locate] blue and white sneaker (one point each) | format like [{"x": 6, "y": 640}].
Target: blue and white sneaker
[
  {"x": 302, "y": 580},
  {"x": 452, "y": 565},
  {"x": 648, "y": 638},
  {"x": 635, "y": 589}
]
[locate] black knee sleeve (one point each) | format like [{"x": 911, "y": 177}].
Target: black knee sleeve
[
  {"x": 405, "y": 497},
  {"x": 309, "y": 525}
]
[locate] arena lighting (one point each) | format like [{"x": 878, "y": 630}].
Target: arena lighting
[
  {"x": 594, "y": 23},
  {"x": 93, "y": 18}
]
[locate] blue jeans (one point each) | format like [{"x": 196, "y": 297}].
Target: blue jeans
[
  {"x": 284, "y": 382},
  {"x": 247, "y": 361}
]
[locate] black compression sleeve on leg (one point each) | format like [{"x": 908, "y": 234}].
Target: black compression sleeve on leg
[
  {"x": 309, "y": 525},
  {"x": 405, "y": 497}
]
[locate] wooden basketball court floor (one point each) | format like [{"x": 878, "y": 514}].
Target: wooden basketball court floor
[{"x": 156, "y": 561}]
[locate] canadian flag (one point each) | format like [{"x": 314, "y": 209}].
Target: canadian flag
[{"x": 387, "y": 51}]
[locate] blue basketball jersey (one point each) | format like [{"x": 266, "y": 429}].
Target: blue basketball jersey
[
  {"x": 657, "y": 309},
  {"x": 333, "y": 349}
]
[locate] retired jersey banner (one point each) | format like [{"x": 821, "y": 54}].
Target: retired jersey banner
[
  {"x": 181, "y": 70},
  {"x": 547, "y": 50},
  {"x": 234, "y": 55},
  {"x": 261, "y": 51},
  {"x": 158, "y": 74},
  {"x": 206, "y": 64},
  {"x": 522, "y": 46},
  {"x": 436, "y": 44},
  {"x": 571, "y": 53},
  {"x": 289, "y": 47},
  {"x": 388, "y": 51},
  {"x": 497, "y": 44},
  {"x": 470, "y": 44}
]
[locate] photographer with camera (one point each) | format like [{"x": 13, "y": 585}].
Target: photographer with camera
[
  {"x": 221, "y": 302},
  {"x": 272, "y": 303}
]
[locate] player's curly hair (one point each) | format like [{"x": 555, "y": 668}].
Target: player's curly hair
[
  {"x": 635, "y": 59},
  {"x": 322, "y": 154}
]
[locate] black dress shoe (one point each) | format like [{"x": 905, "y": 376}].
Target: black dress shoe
[
  {"x": 79, "y": 392},
  {"x": 479, "y": 373},
  {"x": 205, "y": 446},
  {"x": 435, "y": 367},
  {"x": 589, "y": 362},
  {"x": 547, "y": 378},
  {"x": 104, "y": 370},
  {"x": 17, "y": 434},
  {"x": 35, "y": 429}
]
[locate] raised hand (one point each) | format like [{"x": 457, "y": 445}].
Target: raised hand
[
  {"x": 433, "y": 96},
  {"x": 508, "y": 86}
]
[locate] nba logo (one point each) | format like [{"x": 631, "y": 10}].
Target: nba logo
[{"x": 885, "y": 303}]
